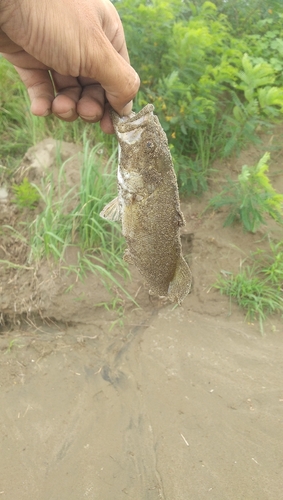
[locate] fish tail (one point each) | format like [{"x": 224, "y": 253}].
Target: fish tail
[{"x": 180, "y": 285}]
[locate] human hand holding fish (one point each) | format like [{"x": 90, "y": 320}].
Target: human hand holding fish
[
  {"x": 148, "y": 204},
  {"x": 72, "y": 57},
  {"x": 67, "y": 75}
]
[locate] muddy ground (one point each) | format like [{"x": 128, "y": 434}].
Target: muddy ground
[{"x": 167, "y": 403}]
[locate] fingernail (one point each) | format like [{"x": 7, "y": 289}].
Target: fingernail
[
  {"x": 47, "y": 112},
  {"x": 127, "y": 109},
  {"x": 90, "y": 118},
  {"x": 68, "y": 114}
]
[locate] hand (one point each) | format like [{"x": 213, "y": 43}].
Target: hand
[{"x": 75, "y": 46}]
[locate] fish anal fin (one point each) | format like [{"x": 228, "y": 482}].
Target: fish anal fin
[{"x": 111, "y": 211}]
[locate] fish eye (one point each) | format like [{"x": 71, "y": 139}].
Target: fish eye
[{"x": 149, "y": 145}]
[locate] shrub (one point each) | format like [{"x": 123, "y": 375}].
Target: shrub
[{"x": 251, "y": 198}]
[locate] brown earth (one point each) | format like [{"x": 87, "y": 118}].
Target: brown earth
[{"x": 167, "y": 403}]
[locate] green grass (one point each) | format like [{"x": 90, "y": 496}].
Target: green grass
[
  {"x": 64, "y": 216},
  {"x": 69, "y": 217},
  {"x": 271, "y": 264},
  {"x": 99, "y": 243},
  {"x": 258, "y": 288},
  {"x": 19, "y": 129},
  {"x": 58, "y": 225},
  {"x": 26, "y": 195}
]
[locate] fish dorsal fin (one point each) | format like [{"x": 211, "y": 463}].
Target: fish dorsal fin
[{"x": 111, "y": 211}]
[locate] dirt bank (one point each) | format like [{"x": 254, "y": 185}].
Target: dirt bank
[{"x": 166, "y": 403}]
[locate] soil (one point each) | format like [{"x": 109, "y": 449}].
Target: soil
[{"x": 161, "y": 402}]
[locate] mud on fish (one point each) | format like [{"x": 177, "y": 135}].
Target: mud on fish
[{"x": 148, "y": 204}]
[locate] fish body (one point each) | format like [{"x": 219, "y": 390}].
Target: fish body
[{"x": 148, "y": 204}]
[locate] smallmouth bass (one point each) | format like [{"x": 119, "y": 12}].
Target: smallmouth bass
[{"x": 148, "y": 204}]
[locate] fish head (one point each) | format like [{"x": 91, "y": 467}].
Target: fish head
[{"x": 142, "y": 140}]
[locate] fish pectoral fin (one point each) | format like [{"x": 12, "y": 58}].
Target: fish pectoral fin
[
  {"x": 180, "y": 285},
  {"x": 111, "y": 211}
]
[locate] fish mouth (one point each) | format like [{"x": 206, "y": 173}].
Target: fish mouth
[{"x": 132, "y": 122}]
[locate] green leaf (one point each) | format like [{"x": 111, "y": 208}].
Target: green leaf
[{"x": 271, "y": 96}]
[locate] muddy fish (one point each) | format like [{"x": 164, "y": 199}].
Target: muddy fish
[{"x": 148, "y": 204}]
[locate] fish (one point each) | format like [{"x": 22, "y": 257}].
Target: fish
[{"x": 148, "y": 204}]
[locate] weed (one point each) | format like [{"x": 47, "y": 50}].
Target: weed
[
  {"x": 213, "y": 70},
  {"x": 96, "y": 266},
  {"x": 13, "y": 265},
  {"x": 251, "y": 198},
  {"x": 19, "y": 129},
  {"x": 17, "y": 234},
  {"x": 57, "y": 227},
  {"x": 272, "y": 264},
  {"x": 257, "y": 297},
  {"x": 116, "y": 304},
  {"x": 192, "y": 177},
  {"x": 11, "y": 345},
  {"x": 51, "y": 230},
  {"x": 258, "y": 288},
  {"x": 26, "y": 195}
]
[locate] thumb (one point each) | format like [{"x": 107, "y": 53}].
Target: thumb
[{"x": 117, "y": 77}]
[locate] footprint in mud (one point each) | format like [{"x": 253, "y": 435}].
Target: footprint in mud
[{"x": 117, "y": 379}]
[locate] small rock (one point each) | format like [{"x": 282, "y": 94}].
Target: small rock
[{"x": 3, "y": 195}]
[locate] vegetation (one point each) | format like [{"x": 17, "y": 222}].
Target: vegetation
[
  {"x": 214, "y": 72},
  {"x": 26, "y": 195},
  {"x": 19, "y": 129},
  {"x": 55, "y": 227},
  {"x": 51, "y": 229},
  {"x": 212, "y": 69},
  {"x": 250, "y": 198},
  {"x": 258, "y": 288}
]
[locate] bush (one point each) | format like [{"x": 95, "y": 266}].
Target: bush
[
  {"x": 213, "y": 72},
  {"x": 251, "y": 198},
  {"x": 257, "y": 288}
]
